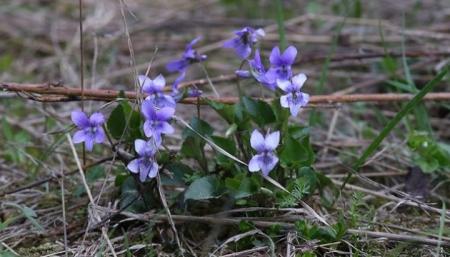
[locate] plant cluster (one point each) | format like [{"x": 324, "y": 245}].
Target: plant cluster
[{"x": 262, "y": 159}]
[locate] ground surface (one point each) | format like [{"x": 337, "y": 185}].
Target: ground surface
[{"x": 366, "y": 47}]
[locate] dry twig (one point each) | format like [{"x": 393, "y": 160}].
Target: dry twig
[{"x": 61, "y": 94}]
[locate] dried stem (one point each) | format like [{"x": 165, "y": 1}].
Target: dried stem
[
  {"x": 91, "y": 199},
  {"x": 61, "y": 94}
]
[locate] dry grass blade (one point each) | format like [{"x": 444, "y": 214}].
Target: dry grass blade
[
  {"x": 238, "y": 237},
  {"x": 169, "y": 215},
  {"x": 211, "y": 143},
  {"x": 91, "y": 199}
]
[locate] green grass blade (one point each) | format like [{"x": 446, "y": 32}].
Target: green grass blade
[
  {"x": 402, "y": 113},
  {"x": 280, "y": 23},
  {"x": 422, "y": 118},
  {"x": 441, "y": 228},
  {"x": 394, "y": 121},
  {"x": 406, "y": 69}
]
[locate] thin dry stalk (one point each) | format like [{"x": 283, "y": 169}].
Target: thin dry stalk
[
  {"x": 91, "y": 199},
  {"x": 169, "y": 215},
  {"x": 73, "y": 94}
]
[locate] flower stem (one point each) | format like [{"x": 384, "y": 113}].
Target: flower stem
[{"x": 238, "y": 80}]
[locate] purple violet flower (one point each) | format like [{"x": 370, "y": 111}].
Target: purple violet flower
[
  {"x": 154, "y": 88},
  {"x": 294, "y": 99},
  {"x": 258, "y": 71},
  {"x": 145, "y": 165},
  {"x": 265, "y": 159},
  {"x": 177, "y": 82},
  {"x": 243, "y": 43},
  {"x": 90, "y": 129},
  {"x": 156, "y": 122},
  {"x": 189, "y": 57},
  {"x": 281, "y": 63},
  {"x": 194, "y": 92}
]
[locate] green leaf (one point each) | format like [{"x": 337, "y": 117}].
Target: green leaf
[
  {"x": 124, "y": 122},
  {"x": 175, "y": 179},
  {"x": 242, "y": 186},
  {"x": 327, "y": 190},
  {"x": 228, "y": 145},
  {"x": 239, "y": 113},
  {"x": 427, "y": 165},
  {"x": 309, "y": 175},
  {"x": 95, "y": 173},
  {"x": 226, "y": 111},
  {"x": 192, "y": 146},
  {"x": 298, "y": 132},
  {"x": 28, "y": 213},
  {"x": 297, "y": 150},
  {"x": 116, "y": 122},
  {"x": 129, "y": 193},
  {"x": 281, "y": 114},
  {"x": 402, "y": 86},
  {"x": 203, "y": 188},
  {"x": 341, "y": 228},
  {"x": 298, "y": 188},
  {"x": 120, "y": 179},
  {"x": 259, "y": 111},
  {"x": 428, "y": 154},
  {"x": 201, "y": 126},
  {"x": 178, "y": 172},
  {"x": 324, "y": 234}
]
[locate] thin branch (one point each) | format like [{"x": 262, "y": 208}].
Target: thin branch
[{"x": 60, "y": 93}]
